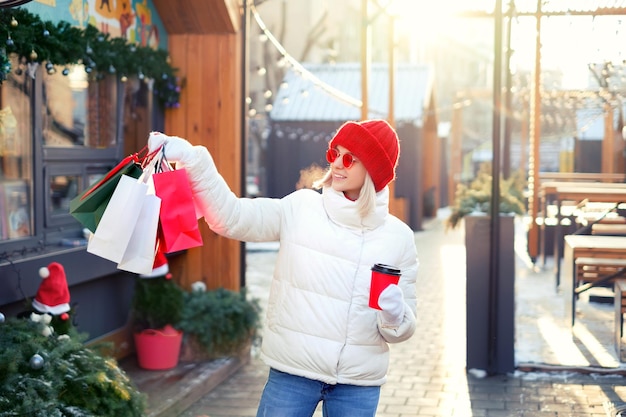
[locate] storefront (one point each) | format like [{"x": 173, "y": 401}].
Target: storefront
[{"x": 65, "y": 122}]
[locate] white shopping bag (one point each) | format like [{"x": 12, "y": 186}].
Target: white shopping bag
[
  {"x": 115, "y": 229},
  {"x": 141, "y": 249}
]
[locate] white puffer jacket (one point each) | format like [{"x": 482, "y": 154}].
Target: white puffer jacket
[{"x": 319, "y": 324}]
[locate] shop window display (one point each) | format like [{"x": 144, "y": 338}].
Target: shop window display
[
  {"x": 76, "y": 129},
  {"x": 16, "y": 156},
  {"x": 78, "y": 111}
]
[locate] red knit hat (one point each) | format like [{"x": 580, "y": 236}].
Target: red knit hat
[
  {"x": 160, "y": 267},
  {"x": 375, "y": 144},
  {"x": 53, "y": 295}
]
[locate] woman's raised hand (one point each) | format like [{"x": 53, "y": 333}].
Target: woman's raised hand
[{"x": 175, "y": 149}]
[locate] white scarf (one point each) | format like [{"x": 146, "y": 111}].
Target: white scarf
[{"x": 344, "y": 211}]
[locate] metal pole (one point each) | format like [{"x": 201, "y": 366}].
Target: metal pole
[
  {"x": 365, "y": 59},
  {"x": 535, "y": 133},
  {"x": 392, "y": 71},
  {"x": 245, "y": 32},
  {"x": 508, "y": 118},
  {"x": 494, "y": 266}
]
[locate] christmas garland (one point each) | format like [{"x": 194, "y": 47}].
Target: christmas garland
[{"x": 35, "y": 41}]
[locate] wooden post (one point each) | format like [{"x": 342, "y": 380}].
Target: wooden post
[
  {"x": 456, "y": 152},
  {"x": 608, "y": 142},
  {"x": 535, "y": 137}
]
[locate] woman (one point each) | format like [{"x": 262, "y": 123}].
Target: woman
[{"x": 322, "y": 341}]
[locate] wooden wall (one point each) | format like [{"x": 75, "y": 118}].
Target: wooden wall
[
  {"x": 210, "y": 115},
  {"x": 205, "y": 45}
]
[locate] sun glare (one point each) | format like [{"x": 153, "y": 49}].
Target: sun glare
[
  {"x": 568, "y": 43},
  {"x": 428, "y": 20}
]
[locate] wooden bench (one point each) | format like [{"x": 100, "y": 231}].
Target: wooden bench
[
  {"x": 620, "y": 309},
  {"x": 615, "y": 228},
  {"x": 582, "y": 176},
  {"x": 594, "y": 272},
  {"x": 592, "y": 247}
]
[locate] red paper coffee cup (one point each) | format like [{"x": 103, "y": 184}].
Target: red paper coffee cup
[{"x": 382, "y": 276}]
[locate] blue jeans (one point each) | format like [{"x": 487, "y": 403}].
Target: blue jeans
[{"x": 287, "y": 395}]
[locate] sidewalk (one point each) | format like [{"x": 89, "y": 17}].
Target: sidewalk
[{"x": 558, "y": 375}]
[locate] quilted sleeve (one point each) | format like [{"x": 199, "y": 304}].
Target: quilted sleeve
[{"x": 245, "y": 219}]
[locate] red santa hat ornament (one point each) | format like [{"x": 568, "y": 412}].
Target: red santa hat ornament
[
  {"x": 53, "y": 295},
  {"x": 159, "y": 268}
]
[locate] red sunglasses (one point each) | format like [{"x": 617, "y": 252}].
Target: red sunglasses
[{"x": 347, "y": 158}]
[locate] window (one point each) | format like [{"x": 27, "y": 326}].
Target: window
[
  {"x": 79, "y": 112},
  {"x": 60, "y": 131},
  {"x": 16, "y": 155}
]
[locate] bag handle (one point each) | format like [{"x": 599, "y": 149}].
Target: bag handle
[
  {"x": 149, "y": 157},
  {"x": 132, "y": 158},
  {"x": 164, "y": 166},
  {"x": 150, "y": 168}
]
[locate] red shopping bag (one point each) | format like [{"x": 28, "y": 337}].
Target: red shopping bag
[{"x": 177, "y": 220}]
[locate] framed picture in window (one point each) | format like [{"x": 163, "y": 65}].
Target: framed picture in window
[
  {"x": 17, "y": 210},
  {"x": 63, "y": 182}
]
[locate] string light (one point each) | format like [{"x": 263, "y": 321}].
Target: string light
[
  {"x": 334, "y": 92},
  {"x": 581, "y": 99}
]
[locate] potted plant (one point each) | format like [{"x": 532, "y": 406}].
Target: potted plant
[
  {"x": 475, "y": 198},
  {"x": 157, "y": 306},
  {"x": 486, "y": 350},
  {"x": 217, "y": 323}
]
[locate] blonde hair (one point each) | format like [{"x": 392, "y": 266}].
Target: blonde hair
[{"x": 366, "y": 202}]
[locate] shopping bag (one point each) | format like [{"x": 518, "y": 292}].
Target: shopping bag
[
  {"x": 141, "y": 248},
  {"x": 111, "y": 237},
  {"x": 89, "y": 206},
  {"x": 178, "y": 228}
]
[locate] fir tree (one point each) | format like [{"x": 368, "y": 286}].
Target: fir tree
[{"x": 56, "y": 375}]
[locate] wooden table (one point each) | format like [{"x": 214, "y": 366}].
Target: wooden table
[
  {"x": 591, "y": 193},
  {"x": 557, "y": 192},
  {"x": 592, "y": 246}
]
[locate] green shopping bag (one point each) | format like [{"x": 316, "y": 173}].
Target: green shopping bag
[{"x": 88, "y": 206}]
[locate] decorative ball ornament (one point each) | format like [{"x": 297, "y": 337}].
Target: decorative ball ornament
[
  {"x": 36, "y": 361},
  {"x": 2, "y": 318},
  {"x": 124, "y": 78},
  {"x": 33, "y": 31},
  {"x": 65, "y": 71}
]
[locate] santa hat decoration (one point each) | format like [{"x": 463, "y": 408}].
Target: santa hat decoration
[
  {"x": 53, "y": 295},
  {"x": 159, "y": 268}
]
